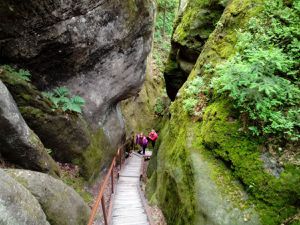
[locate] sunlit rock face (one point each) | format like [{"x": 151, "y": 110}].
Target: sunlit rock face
[{"x": 96, "y": 48}]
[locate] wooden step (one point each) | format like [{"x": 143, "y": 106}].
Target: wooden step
[{"x": 128, "y": 208}]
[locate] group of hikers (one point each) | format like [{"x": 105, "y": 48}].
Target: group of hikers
[{"x": 143, "y": 141}]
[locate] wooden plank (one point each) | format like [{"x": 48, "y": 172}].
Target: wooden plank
[{"x": 128, "y": 208}]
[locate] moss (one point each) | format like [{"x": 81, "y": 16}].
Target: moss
[
  {"x": 78, "y": 183},
  {"x": 96, "y": 156},
  {"x": 174, "y": 192},
  {"x": 198, "y": 22},
  {"x": 234, "y": 155},
  {"x": 151, "y": 188},
  {"x": 275, "y": 198}
]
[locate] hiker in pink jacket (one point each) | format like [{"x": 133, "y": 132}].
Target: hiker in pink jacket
[{"x": 153, "y": 137}]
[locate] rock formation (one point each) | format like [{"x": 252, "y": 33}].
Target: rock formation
[
  {"x": 195, "y": 22},
  {"x": 98, "y": 49},
  {"x": 65, "y": 134},
  {"x": 207, "y": 169},
  {"x": 17, "y": 205},
  {"x": 139, "y": 111},
  {"x": 61, "y": 204},
  {"x": 18, "y": 142}
]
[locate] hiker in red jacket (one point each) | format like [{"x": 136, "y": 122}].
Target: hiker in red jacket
[{"x": 152, "y": 137}]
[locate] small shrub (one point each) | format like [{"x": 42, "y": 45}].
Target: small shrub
[
  {"x": 60, "y": 98},
  {"x": 195, "y": 97},
  {"x": 189, "y": 105},
  {"x": 160, "y": 106}
]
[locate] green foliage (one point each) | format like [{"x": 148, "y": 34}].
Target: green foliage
[
  {"x": 21, "y": 73},
  {"x": 189, "y": 105},
  {"x": 192, "y": 90},
  {"x": 78, "y": 183},
  {"x": 165, "y": 16},
  {"x": 275, "y": 198},
  {"x": 49, "y": 151},
  {"x": 159, "y": 107},
  {"x": 163, "y": 30},
  {"x": 263, "y": 77},
  {"x": 60, "y": 97}
]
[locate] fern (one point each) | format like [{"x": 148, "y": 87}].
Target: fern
[
  {"x": 61, "y": 91},
  {"x": 189, "y": 105},
  {"x": 24, "y": 74},
  {"x": 60, "y": 98}
]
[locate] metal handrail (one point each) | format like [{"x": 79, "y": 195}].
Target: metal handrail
[{"x": 100, "y": 197}]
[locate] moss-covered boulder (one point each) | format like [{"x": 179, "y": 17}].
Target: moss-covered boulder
[
  {"x": 61, "y": 204},
  {"x": 192, "y": 28},
  {"x": 65, "y": 134},
  {"x": 18, "y": 143},
  {"x": 191, "y": 186},
  {"x": 215, "y": 171},
  {"x": 17, "y": 204},
  {"x": 68, "y": 135}
]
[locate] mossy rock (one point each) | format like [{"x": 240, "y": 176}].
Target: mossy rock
[
  {"x": 212, "y": 160},
  {"x": 198, "y": 22},
  {"x": 18, "y": 205},
  {"x": 18, "y": 143},
  {"x": 189, "y": 179},
  {"x": 191, "y": 31},
  {"x": 139, "y": 111},
  {"x": 66, "y": 134},
  {"x": 61, "y": 204},
  {"x": 96, "y": 156}
]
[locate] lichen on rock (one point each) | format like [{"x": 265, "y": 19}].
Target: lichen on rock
[
  {"x": 18, "y": 205},
  {"x": 61, "y": 204}
]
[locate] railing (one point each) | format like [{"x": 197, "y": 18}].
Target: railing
[{"x": 103, "y": 186}]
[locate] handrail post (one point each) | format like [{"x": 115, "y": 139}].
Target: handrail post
[
  {"x": 104, "y": 211},
  {"x": 112, "y": 180},
  {"x": 120, "y": 160}
]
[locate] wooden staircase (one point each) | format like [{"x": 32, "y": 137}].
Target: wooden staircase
[{"x": 128, "y": 205}]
